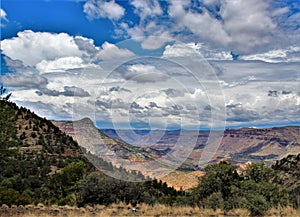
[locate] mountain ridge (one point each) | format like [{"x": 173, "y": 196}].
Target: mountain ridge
[
  {"x": 80, "y": 129},
  {"x": 239, "y": 145}
]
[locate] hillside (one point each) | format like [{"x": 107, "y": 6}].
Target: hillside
[
  {"x": 33, "y": 153},
  {"x": 96, "y": 142},
  {"x": 288, "y": 176},
  {"x": 41, "y": 164}
]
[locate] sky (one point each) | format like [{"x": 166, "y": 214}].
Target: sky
[{"x": 190, "y": 64}]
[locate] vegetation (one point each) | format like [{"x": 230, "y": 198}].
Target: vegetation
[
  {"x": 3, "y": 94},
  {"x": 224, "y": 188},
  {"x": 40, "y": 164},
  {"x": 44, "y": 165},
  {"x": 288, "y": 177},
  {"x": 34, "y": 153},
  {"x": 122, "y": 209}
]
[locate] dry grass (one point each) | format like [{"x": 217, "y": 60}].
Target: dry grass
[{"x": 121, "y": 209}]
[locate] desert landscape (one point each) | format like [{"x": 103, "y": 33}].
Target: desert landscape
[{"x": 149, "y": 108}]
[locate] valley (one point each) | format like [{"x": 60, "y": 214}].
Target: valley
[{"x": 239, "y": 146}]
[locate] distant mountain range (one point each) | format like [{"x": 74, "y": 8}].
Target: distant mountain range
[
  {"x": 238, "y": 145},
  {"x": 269, "y": 144}
]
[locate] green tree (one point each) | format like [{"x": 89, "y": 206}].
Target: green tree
[
  {"x": 3, "y": 95},
  {"x": 258, "y": 172},
  {"x": 219, "y": 179}
]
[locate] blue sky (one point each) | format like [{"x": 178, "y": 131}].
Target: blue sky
[
  {"x": 54, "y": 16},
  {"x": 154, "y": 64}
]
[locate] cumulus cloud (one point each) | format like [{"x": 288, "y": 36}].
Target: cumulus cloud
[
  {"x": 60, "y": 64},
  {"x": 195, "y": 49},
  {"x": 103, "y": 9},
  {"x": 150, "y": 33},
  {"x": 270, "y": 98},
  {"x": 13, "y": 63},
  {"x": 3, "y": 17},
  {"x": 255, "y": 91},
  {"x": 156, "y": 41},
  {"x": 248, "y": 21},
  {"x": 178, "y": 50},
  {"x": 41, "y": 46},
  {"x": 144, "y": 73},
  {"x": 239, "y": 26},
  {"x": 51, "y": 52},
  {"x": 200, "y": 24},
  {"x": 147, "y": 8},
  {"x": 251, "y": 102},
  {"x": 244, "y": 25},
  {"x": 110, "y": 51},
  {"x": 86, "y": 44},
  {"x": 113, "y": 103}
]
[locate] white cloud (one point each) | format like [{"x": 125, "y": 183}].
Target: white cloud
[
  {"x": 192, "y": 49},
  {"x": 249, "y": 23},
  {"x": 103, "y": 9},
  {"x": 110, "y": 51},
  {"x": 252, "y": 103},
  {"x": 86, "y": 44},
  {"x": 153, "y": 91},
  {"x": 260, "y": 93},
  {"x": 178, "y": 50},
  {"x": 280, "y": 11},
  {"x": 147, "y": 8},
  {"x": 50, "y": 52},
  {"x": 244, "y": 25},
  {"x": 3, "y": 15},
  {"x": 230, "y": 25},
  {"x": 13, "y": 63},
  {"x": 24, "y": 80},
  {"x": 202, "y": 25},
  {"x": 154, "y": 42},
  {"x": 60, "y": 64},
  {"x": 234, "y": 25},
  {"x": 142, "y": 73},
  {"x": 41, "y": 46},
  {"x": 291, "y": 54},
  {"x": 151, "y": 34}
]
